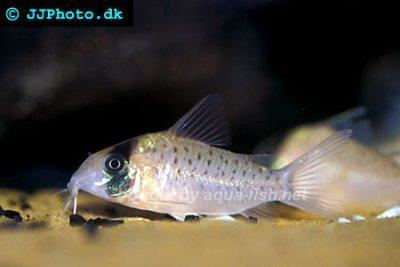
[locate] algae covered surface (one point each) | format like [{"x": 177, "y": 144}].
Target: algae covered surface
[{"x": 153, "y": 240}]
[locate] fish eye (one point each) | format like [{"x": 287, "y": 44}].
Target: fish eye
[{"x": 114, "y": 163}]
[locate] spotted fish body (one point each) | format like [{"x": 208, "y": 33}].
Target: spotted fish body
[
  {"x": 187, "y": 176},
  {"x": 181, "y": 171}
]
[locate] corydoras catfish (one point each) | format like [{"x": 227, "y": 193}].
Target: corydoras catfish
[
  {"x": 363, "y": 181},
  {"x": 183, "y": 171}
]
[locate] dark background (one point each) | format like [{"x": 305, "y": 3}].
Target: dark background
[{"x": 65, "y": 92}]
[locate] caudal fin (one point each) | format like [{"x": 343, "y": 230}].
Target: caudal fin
[{"x": 307, "y": 179}]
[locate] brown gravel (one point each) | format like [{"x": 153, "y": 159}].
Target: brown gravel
[{"x": 51, "y": 241}]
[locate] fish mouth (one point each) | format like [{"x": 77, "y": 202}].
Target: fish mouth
[
  {"x": 73, "y": 187},
  {"x": 90, "y": 182}
]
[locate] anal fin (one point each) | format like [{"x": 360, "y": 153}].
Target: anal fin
[{"x": 262, "y": 211}]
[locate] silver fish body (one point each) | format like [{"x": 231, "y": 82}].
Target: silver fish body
[
  {"x": 180, "y": 175},
  {"x": 181, "y": 171}
]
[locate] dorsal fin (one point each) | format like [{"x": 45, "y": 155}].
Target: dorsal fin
[
  {"x": 205, "y": 122},
  {"x": 348, "y": 118},
  {"x": 263, "y": 159},
  {"x": 356, "y": 119}
]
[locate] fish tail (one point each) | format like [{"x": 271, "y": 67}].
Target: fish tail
[{"x": 305, "y": 181}]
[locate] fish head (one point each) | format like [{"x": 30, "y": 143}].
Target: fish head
[{"x": 107, "y": 174}]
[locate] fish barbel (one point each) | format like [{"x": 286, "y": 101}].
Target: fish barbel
[{"x": 181, "y": 171}]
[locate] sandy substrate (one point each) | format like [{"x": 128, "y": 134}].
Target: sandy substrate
[{"x": 159, "y": 240}]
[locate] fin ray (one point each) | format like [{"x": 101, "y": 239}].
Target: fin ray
[
  {"x": 205, "y": 122},
  {"x": 308, "y": 175},
  {"x": 261, "y": 211},
  {"x": 356, "y": 119}
]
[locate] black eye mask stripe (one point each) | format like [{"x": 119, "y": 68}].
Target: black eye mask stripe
[
  {"x": 121, "y": 182},
  {"x": 123, "y": 149}
]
